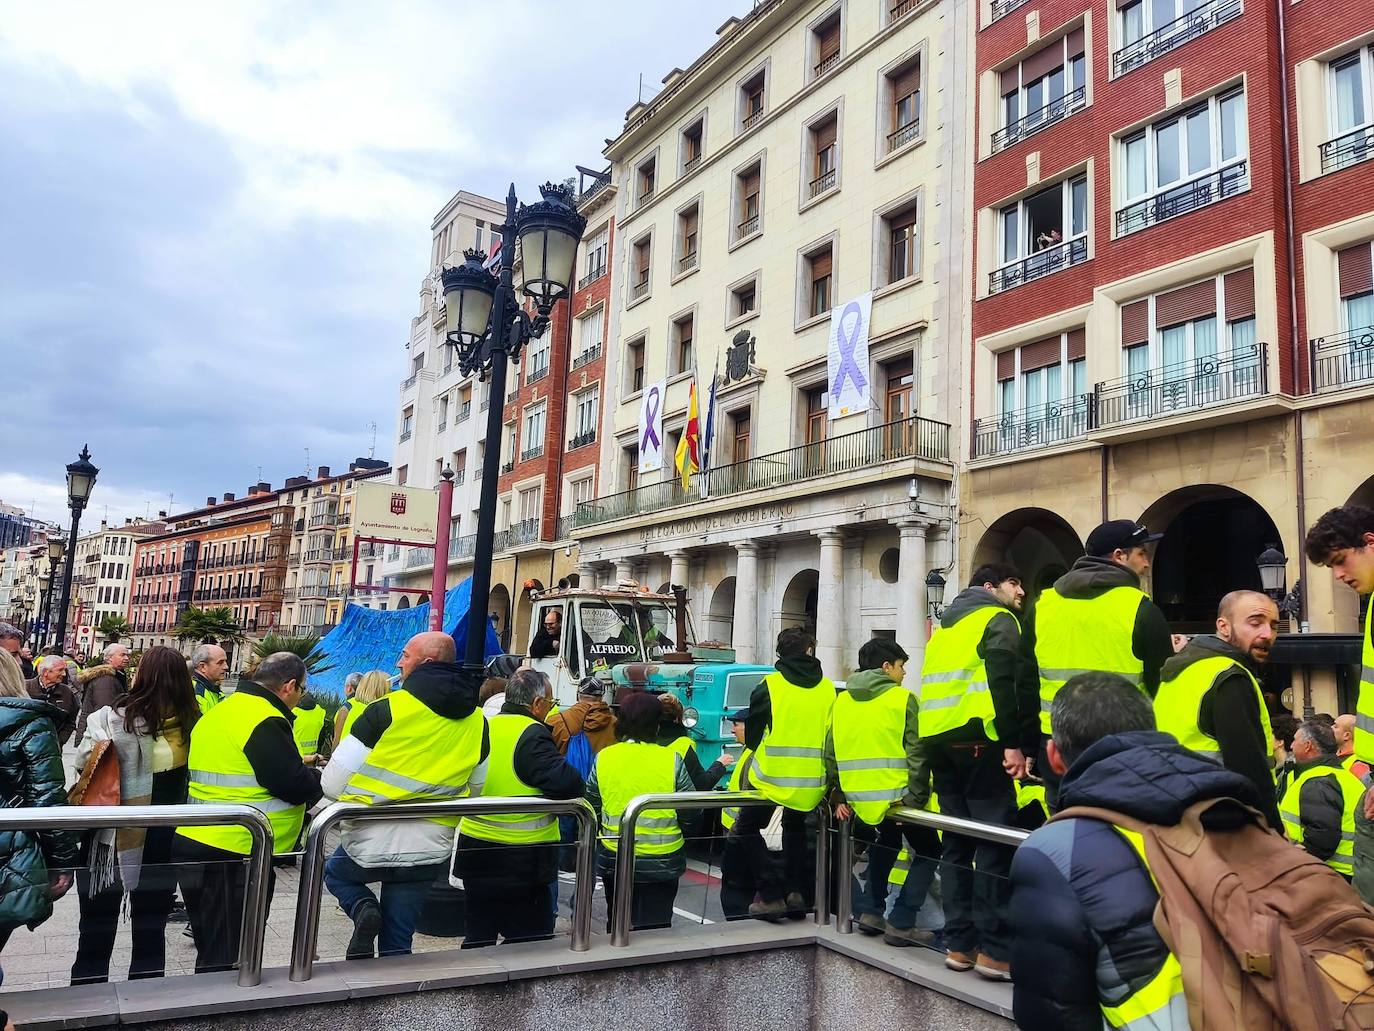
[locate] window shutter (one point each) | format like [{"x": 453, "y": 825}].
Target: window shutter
[
  {"x": 820, "y": 266},
  {"x": 1011, "y": 80},
  {"x": 904, "y": 219},
  {"x": 1078, "y": 344},
  {"x": 907, "y": 81},
  {"x": 1240, "y": 294},
  {"x": 1076, "y": 43},
  {"x": 1006, "y": 365},
  {"x": 689, "y": 223},
  {"x": 1040, "y": 353},
  {"x": 1135, "y": 323},
  {"x": 830, "y": 39},
  {"x": 1186, "y": 304},
  {"x": 1042, "y": 62},
  {"x": 751, "y": 182},
  {"x": 825, "y": 134},
  {"x": 1355, "y": 271}
]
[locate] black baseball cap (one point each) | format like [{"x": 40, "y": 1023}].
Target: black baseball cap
[
  {"x": 1119, "y": 533},
  {"x": 739, "y": 716}
]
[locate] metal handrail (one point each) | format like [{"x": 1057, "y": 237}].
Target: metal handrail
[
  {"x": 103, "y": 817},
  {"x": 844, "y": 849},
  {"x": 308, "y": 897}
]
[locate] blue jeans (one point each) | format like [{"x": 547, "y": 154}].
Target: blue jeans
[{"x": 403, "y": 892}]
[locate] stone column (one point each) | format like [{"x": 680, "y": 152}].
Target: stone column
[
  {"x": 911, "y": 591},
  {"x": 746, "y": 602},
  {"x": 679, "y": 567},
  {"x": 624, "y": 570},
  {"x": 586, "y": 574},
  {"x": 830, "y": 604}
]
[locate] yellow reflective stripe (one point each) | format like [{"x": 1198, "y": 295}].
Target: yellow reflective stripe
[
  {"x": 396, "y": 780},
  {"x": 795, "y": 752},
  {"x": 264, "y": 805},
  {"x": 789, "y": 782},
  {"x": 876, "y": 795},
  {"x": 513, "y": 822},
  {"x": 1065, "y": 675},
  {"x": 224, "y": 780},
  {"x": 893, "y": 763},
  {"x": 947, "y": 677},
  {"x": 949, "y": 702}
]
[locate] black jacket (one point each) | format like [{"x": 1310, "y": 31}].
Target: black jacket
[
  {"x": 539, "y": 764},
  {"x": 1151, "y": 640},
  {"x": 703, "y": 778},
  {"x": 271, "y": 752},
  {"x": 1230, "y": 712},
  {"x": 63, "y": 698},
  {"x": 1012, "y": 680},
  {"x": 801, "y": 670},
  {"x": 1082, "y": 904},
  {"x": 1321, "y": 806}
]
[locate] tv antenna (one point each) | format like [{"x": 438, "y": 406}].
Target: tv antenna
[{"x": 372, "y": 451}]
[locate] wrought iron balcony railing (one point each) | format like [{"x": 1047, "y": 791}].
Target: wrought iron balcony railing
[
  {"x": 901, "y": 9},
  {"x": 591, "y": 277},
  {"x": 1173, "y": 35},
  {"x": 524, "y": 532},
  {"x": 1343, "y": 360},
  {"x": 752, "y": 120},
  {"x": 587, "y": 356},
  {"x": 538, "y": 373},
  {"x": 1347, "y": 150},
  {"x": 822, "y": 183},
  {"x": 903, "y": 135},
  {"x": 826, "y": 63},
  {"x": 639, "y": 289},
  {"x": 1053, "y": 112},
  {"x": 1182, "y": 200},
  {"x": 1039, "y": 265},
  {"x": 1204, "y": 382},
  {"x": 904, "y": 440},
  {"x": 409, "y": 382},
  {"x": 687, "y": 262},
  {"x": 582, "y": 439},
  {"x": 529, "y": 454},
  {"x": 565, "y": 525},
  {"x": 748, "y": 227},
  {"x": 462, "y": 547},
  {"x": 464, "y": 411},
  {"x": 690, "y": 164}
]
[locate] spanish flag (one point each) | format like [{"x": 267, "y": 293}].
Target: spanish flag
[{"x": 689, "y": 447}]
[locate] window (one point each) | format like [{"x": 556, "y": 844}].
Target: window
[
  {"x": 579, "y": 492},
  {"x": 903, "y": 243},
  {"x": 417, "y": 363},
  {"x": 401, "y": 475},
  {"x": 644, "y": 180},
  {"x": 503, "y": 520},
  {"x": 589, "y": 337},
  {"x": 460, "y": 465},
  {"x": 629, "y": 467},
  {"x": 1351, "y": 111},
  {"x": 1043, "y": 233},
  {"x": 634, "y": 366},
  {"x": 692, "y": 137},
  {"x": 824, "y": 155},
  {"x": 825, "y": 43},
  {"x": 899, "y": 381},
  {"x": 443, "y": 412},
  {"x": 739, "y": 424},
  {"x": 464, "y": 403},
  {"x": 681, "y": 355},
  {"x": 1043, "y": 89},
  {"x": 749, "y": 206},
  {"x": 1183, "y": 163},
  {"x": 744, "y": 299},
  {"x": 818, "y": 274},
  {"x": 1150, "y": 28},
  {"x": 407, "y": 423},
  {"x": 586, "y": 405},
  {"x": 538, "y": 363},
  {"x": 752, "y": 99},
  {"x": 817, "y": 414},
  {"x": 529, "y": 505},
  {"x": 596, "y": 249},
  {"x": 903, "y": 88},
  {"x": 687, "y": 238},
  {"x": 639, "y": 286}
]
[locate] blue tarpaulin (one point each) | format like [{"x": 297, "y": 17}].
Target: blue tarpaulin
[{"x": 366, "y": 639}]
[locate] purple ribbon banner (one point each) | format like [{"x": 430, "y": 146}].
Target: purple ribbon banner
[
  {"x": 848, "y": 341},
  {"x": 651, "y": 406}
]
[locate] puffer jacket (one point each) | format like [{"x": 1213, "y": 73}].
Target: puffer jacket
[
  {"x": 30, "y": 776},
  {"x": 100, "y": 686},
  {"x": 1082, "y": 904}
]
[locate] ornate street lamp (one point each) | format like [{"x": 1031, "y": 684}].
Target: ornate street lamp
[
  {"x": 81, "y": 476},
  {"x": 935, "y": 594},
  {"x": 1273, "y": 571},
  {"x": 44, "y": 601},
  {"x": 488, "y": 327}
]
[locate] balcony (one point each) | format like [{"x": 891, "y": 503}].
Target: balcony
[
  {"x": 508, "y": 467},
  {"x": 592, "y": 276},
  {"x": 459, "y": 475},
  {"x": 826, "y": 63},
  {"x": 690, "y": 164},
  {"x": 324, "y": 519},
  {"x": 1002, "y": 8},
  {"x": 464, "y": 411},
  {"x": 639, "y": 289},
  {"x": 645, "y": 198},
  {"x": 406, "y": 384},
  {"x": 486, "y": 403},
  {"x": 462, "y": 547},
  {"x": 587, "y": 356},
  {"x": 405, "y": 435},
  {"x": 1347, "y": 150},
  {"x": 582, "y": 440},
  {"x": 1055, "y": 111},
  {"x": 538, "y": 373},
  {"x": 1185, "y": 199},
  {"x": 443, "y": 426},
  {"x": 687, "y": 262},
  {"x": 747, "y": 228},
  {"x": 904, "y": 440},
  {"x": 307, "y": 592},
  {"x": 822, "y": 183},
  {"x": 752, "y": 120},
  {"x": 1173, "y": 35},
  {"x": 565, "y": 525},
  {"x": 1204, "y": 382},
  {"x": 1038, "y": 426},
  {"x": 1038, "y": 265},
  {"x": 531, "y": 454},
  {"x": 903, "y": 134},
  {"x": 316, "y": 556},
  {"x": 1343, "y": 360},
  {"x": 901, "y": 9},
  {"x": 416, "y": 557},
  {"x": 524, "y": 532}
]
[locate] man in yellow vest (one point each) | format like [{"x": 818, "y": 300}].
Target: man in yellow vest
[
  {"x": 788, "y": 715},
  {"x": 874, "y": 761},
  {"x": 241, "y": 752},
  {"x": 977, "y": 698},
  {"x": 1211, "y": 701},
  {"x": 426, "y": 741},
  {"x": 508, "y": 864},
  {"x": 1097, "y": 618},
  {"x": 1319, "y": 806},
  {"x": 209, "y": 665},
  {"x": 307, "y": 728}
]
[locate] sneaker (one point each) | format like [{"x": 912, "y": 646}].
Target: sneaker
[
  {"x": 992, "y": 969},
  {"x": 366, "y": 923},
  {"x": 956, "y": 960},
  {"x": 906, "y": 936},
  {"x": 763, "y": 910},
  {"x": 796, "y": 905},
  {"x": 870, "y": 924}
]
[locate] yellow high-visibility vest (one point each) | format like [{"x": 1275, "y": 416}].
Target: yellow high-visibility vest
[
  {"x": 1352, "y": 795},
  {"x": 355, "y": 709},
  {"x": 630, "y": 768},
  {"x": 681, "y": 746},
  {"x": 1364, "y": 703},
  {"x": 954, "y": 678},
  {"x": 207, "y": 697},
  {"x": 869, "y": 753},
  {"x": 735, "y": 783},
  {"x": 502, "y": 781},
  {"x": 1178, "y": 705},
  {"x": 306, "y": 729},
  {"x": 1082, "y": 635},
  {"x": 789, "y": 767}
]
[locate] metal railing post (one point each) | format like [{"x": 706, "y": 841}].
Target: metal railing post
[
  {"x": 102, "y": 817},
  {"x": 308, "y": 899},
  {"x": 823, "y": 827},
  {"x": 625, "y": 845},
  {"x": 844, "y": 870},
  {"x": 957, "y": 825}
]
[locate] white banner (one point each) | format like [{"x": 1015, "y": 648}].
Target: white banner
[
  {"x": 847, "y": 371},
  {"x": 651, "y": 427},
  {"x": 395, "y": 513}
]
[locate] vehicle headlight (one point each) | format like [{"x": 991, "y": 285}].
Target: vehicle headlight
[{"x": 690, "y": 717}]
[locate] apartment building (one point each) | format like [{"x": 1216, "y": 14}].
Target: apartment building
[
  {"x": 1171, "y": 306},
  {"x": 813, "y": 160},
  {"x": 102, "y": 577}
]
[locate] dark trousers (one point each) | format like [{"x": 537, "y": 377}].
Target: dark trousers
[
  {"x": 213, "y": 883},
  {"x": 797, "y": 873},
  {"x": 885, "y": 842},
  {"x": 1051, "y": 779},
  {"x": 738, "y": 885},
  {"x": 971, "y": 783},
  {"x": 516, "y": 914},
  {"x": 651, "y": 903}
]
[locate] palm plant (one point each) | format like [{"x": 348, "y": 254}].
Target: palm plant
[
  {"x": 306, "y": 646},
  {"x": 112, "y": 628},
  {"x": 209, "y": 626}
]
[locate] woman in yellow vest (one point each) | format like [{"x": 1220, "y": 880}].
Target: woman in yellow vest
[
  {"x": 372, "y": 686},
  {"x": 1318, "y": 808},
  {"x": 633, "y": 766}
]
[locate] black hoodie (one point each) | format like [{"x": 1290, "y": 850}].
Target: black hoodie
[
  {"x": 1230, "y": 713},
  {"x": 800, "y": 671},
  {"x": 1151, "y": 640}
]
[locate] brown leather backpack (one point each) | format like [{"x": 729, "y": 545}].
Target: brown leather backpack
[{"x": 1267, "y": 935}]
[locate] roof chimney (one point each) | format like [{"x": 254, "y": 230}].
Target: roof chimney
[
  {"x": 264, "y": 487},
  {"x": 322, "y": 473},
  {"x": 228, "y": 496},
  {"x": 210, "y": 501},
  {"x": 161, "y": 514}
]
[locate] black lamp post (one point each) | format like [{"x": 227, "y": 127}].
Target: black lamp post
[
  {"x": 487, "y": 326},
  {"x": 1273, "y": 571},
  {"x": 44, "y": 600},
  {"x": 81, "y": 476},
  {"x": 935, "y": 594}
]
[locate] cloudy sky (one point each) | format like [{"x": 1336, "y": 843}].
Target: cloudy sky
[{"x": 214, "y": 220}]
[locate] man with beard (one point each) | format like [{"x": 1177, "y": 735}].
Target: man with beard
[{"x": 1210, "y": 699}]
